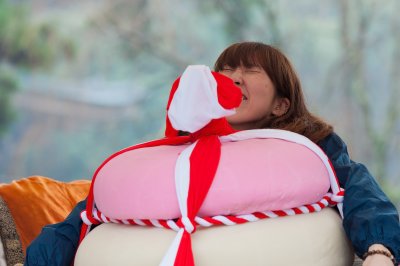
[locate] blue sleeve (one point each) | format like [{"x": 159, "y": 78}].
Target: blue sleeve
[
  {"x": 57, "y": 243},
  {"x": 369, "y": 216}
]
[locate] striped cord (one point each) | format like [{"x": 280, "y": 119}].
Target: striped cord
[{"x": 328, "y": 200}]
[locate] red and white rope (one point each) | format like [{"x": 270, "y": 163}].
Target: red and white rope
[{"x": 328, "y": 200}]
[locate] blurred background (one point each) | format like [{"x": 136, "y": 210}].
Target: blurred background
[{"x": 80, "y": 80}]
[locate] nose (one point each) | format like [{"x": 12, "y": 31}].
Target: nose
[{"x": 237, "y": 76}]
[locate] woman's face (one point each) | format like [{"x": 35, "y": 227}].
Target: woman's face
[{"x": 259, "y": 96}]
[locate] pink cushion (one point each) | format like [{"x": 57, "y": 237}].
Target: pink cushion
[{"x": 253, "y": 175}]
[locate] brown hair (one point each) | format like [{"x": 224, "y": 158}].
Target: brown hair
[{"x": 287, "y": 85}]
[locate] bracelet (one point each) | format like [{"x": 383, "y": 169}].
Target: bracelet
[{"x": 381, "y": 252}]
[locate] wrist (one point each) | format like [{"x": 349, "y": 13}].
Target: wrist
[
  {"x": 379, "y": 247},
  {"x": 379, "y": 250}
]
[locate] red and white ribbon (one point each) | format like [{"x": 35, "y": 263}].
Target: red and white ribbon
[{"x": 182, "y": 180}]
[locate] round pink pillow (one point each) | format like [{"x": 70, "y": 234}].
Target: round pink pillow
[{"x": 253, "y": 175}]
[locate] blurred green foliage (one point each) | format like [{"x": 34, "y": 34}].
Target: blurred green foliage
[
  {"x": 8, "y": 86},
  {"x": 20, "y": 43},
  {"x": 24, "y": 45}
]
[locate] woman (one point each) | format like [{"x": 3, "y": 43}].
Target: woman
[{"x": 272, "y": 98}]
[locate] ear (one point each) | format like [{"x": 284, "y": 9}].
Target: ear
[{"x": 281, "y": 106}]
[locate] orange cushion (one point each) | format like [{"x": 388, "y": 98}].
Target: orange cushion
[{"x": 37, "y": 201}]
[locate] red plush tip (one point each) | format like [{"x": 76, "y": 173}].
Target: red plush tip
[{"x": 229, "y": 95}]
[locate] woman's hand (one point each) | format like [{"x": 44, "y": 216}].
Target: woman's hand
[{"x": 378, "y": 259}]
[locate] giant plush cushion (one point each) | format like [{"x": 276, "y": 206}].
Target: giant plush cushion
[
  {"x": 307, "y": 239},
  {"x": 253, "y": 175},
  {"x": 37, "y": 201}
]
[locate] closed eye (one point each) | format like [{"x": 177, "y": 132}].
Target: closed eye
[
  {"x": 253, "y": 70},
  {"x": 228, "y": 69}
]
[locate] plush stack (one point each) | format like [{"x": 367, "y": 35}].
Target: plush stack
[{"x": 271, "y": 186}]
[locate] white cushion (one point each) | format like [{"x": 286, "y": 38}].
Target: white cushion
[{"x": 307, "y": 239}]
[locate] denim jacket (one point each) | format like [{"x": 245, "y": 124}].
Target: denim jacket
[{"x": 369, "y": 216}]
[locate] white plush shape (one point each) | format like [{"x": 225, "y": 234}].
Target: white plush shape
[
  {"x": 307, "y": 239},
  {"x": 195, "y": 102}
]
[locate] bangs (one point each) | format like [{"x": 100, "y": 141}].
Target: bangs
[{"x": 247, "y": 54}]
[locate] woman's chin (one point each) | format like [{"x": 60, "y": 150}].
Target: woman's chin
[
  {"x": 239, "y": 125},
  {"x": 233, "y": 120}
]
